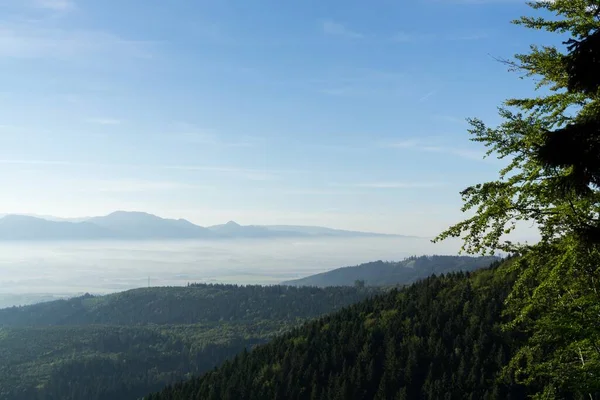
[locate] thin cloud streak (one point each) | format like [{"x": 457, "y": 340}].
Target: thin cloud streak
[
  {"x": 403, "y": 144},
  {"x": 55, "y": 5},
  {"x": 250, "y": 174},
  {"x": 38, "y": 162},
  {"x": 33, "y": 40},
  {"x": 400, "y": 185},
  {"x": 407, "y": 37},
  {"x": 427, "y": 96},
  {"x": 321, "y": 192},
  {"x": 192, "y": 134},
  {"x": 434, "y": 148},
  {"x": 464, "y": 153},
  {"x": 104, "y": 121},
  {"x": 336, "y": 29},
  {"x": 209, "y": 138},
  {"x": 359, "y": 82},
  {"x": 391, "y": 185},
  {"x": 410, "y": 37},
  {"x": 133, "y": 186}
]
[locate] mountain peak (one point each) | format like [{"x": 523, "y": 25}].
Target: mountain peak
[
  {"x": 123, "y": 224},
  {"x": 19, "y": 217}
]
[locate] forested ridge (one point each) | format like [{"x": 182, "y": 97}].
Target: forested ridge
[
  {"x": 115, "y": 362},
  {"x": 197, "y": 303},
  {"x": 382, "y": 273},
  {"x": 125, "y": 345},
  {"x": 438, "y": 339}
]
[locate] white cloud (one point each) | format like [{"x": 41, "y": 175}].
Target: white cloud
[
  {"x": 427, "y": 96},
  {"x": 124, "y": 186},
  {"x": 320, "y": 192},
  {"x": 469, "y": 36},
  {"x": 431, "y": 147},
  {"x": 404, "y": 144},
  {"x": 36, "y": 162},
  {"x": 56, "y": 5},
  {"x": 411, "y": 37},
  {"x": 237, "y": 172},
  {"x": 402, "y": 37},
  {"x": 336, "y": 29},
  {"x": 342, "y": 91},
  {"x": 399, "y": 185},
  {"x": 104, "y": 121},
  {"x": 464, "y": 153},
  {"x": 361, "y": 82},
  {"x": 212, "y": 139},
  {"x": 192, "y": 134},
  {"x": 407, "y": 37},
  {"x": 250, "y": 174},
  {"x": 33, "y": 40}
]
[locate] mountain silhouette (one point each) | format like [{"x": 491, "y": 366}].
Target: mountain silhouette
[{"x": 136, "y": 225}]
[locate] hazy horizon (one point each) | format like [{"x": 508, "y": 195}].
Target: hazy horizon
[
  {"x": 89, "y": 217},
  {"x": 70, "y": 268},
  {"x": 353, "y": 120}
]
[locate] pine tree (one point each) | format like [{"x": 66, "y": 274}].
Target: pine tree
[{"x": 552, "y": 144}]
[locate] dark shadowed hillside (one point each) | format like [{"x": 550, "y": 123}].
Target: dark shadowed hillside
[
  {"x": 438, "y": 339},
  {"x": 197, "y": 303},
  {"x": 125, "y": 345},
  {"x": 381, "y": 273}
]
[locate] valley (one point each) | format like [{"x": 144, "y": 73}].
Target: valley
[
  {"x": 128, "y": 344},
  {"x": 68, "y": 268}
]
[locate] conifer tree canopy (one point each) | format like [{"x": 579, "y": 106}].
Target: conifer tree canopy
[
  {"x": 552, "y": 145},
  {"x": 551, "y": 141},
  {"x": 583, "y": 63}
]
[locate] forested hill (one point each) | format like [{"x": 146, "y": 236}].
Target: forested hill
[
  {"x": 437, "y": 339},
  {"x": 126, "y": 345},
  {"x": 380, "y": 273},
  {"x": 197, "y": 303}
]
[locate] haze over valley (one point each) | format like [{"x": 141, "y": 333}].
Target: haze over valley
[{"x": 32, "y": 271}]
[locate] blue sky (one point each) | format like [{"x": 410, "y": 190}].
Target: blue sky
[{"x": 347, "y": 113}]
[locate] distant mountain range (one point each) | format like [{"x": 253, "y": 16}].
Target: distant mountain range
[
  {"x": 143, "y": 226},
  {"x": 381, "y": 273}
]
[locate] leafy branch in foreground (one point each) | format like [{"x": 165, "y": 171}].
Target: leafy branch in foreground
[
  {"x": 551, "y": 142},
  {"x": 552, "y": 179}
]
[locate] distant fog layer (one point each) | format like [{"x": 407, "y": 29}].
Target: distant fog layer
[{"x": 36, "y": 271}]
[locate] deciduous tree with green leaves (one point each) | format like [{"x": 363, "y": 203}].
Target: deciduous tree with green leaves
[{"x": 552, "y": 146}]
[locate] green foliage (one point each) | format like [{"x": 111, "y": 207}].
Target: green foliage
[
  {"x": 197, "y": 303},
  {"x": 438, "y": 339},
  {"x": 126, "y": 345},
  {"x": 551, "y": 182},
  {"x": 405, "y": 272},
  {"x": 556, "y": 303},
  {"x": 115, "y": 362},
  {"x": 552, "y": 145}
]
